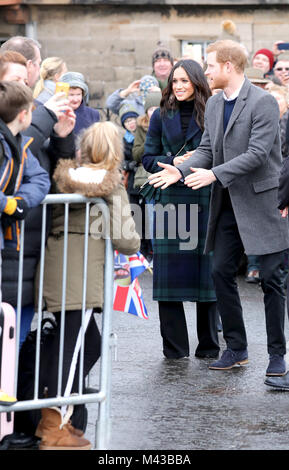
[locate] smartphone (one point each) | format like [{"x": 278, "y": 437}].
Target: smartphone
[
  {"x": 63, "y": 87},
  {"x": 283, "y": 46}
]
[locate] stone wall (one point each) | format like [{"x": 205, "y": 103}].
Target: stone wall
[{"x": 113, "y": 45}]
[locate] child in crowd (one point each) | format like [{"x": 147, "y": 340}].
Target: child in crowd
[
  {"x": 152, "y": 102},
  {"x": 23, "y": 182},
  {"x": 78, "y": 99},
  {"x": 128, "y": 115},
  {"x": 134, "y": 94},
  {"x": 96, "y": 173}
]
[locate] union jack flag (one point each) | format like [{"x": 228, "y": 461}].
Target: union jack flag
[
  {"x": 137, "y": 264},
  {"x": 127, "y": 291}
]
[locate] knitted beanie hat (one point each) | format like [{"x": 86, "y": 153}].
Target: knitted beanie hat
[
  {"x": 152, "y": 99},
  {"x": 268, "y": 54},
  {"x": 229, "y": 31},
  {"x": 162, "y": 52},
  {"x": 146, "y": 82},
  {"x": 126, "y": 111},
  {"x": 256, "y": 75},
  {"x": 76, "y": 80},
  {"x": 284, "y": 56}
]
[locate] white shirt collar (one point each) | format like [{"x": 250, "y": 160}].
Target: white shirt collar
[{"x": 234, "y": 95}]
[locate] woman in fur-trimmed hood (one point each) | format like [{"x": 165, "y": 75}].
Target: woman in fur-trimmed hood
[{"x": 97, "y": 174}]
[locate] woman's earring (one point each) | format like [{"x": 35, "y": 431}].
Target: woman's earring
[{"x": 171, "y": 99}]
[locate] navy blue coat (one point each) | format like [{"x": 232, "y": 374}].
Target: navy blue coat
[
  {"x": 181, "y": 273},
  {"x": 47, "y": 147}
]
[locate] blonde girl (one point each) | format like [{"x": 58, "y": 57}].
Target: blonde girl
[{"x": 95, "y": 174}]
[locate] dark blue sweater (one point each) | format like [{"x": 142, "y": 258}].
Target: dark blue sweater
[{"x": 228, "y": 109}]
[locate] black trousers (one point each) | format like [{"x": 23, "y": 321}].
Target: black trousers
[
  {"x": 228, "y": 250},
  {"x": 92, "y": 347},
  {"x": 174, "y": 331}
]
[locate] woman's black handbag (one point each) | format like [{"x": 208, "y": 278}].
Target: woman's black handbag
[{"x": 149, "y": 193}]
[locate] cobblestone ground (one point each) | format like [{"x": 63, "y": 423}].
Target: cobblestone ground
[{"x": 158, "y": 404}]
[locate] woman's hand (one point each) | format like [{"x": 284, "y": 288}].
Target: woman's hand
[
  {"x": 284, "y": 212},
  {"x": 165, "y": 178}
]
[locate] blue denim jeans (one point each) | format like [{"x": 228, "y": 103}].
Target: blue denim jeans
[{"x": 253, "y": 263}]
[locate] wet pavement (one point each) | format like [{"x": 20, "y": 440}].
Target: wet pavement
[{"x": 160, "y": 404}]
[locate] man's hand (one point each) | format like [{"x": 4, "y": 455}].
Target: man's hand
[
  {"x": 65, "y": 124},
  {"x": 165, "y": 178},
  {"x": 58, "y": 103},
  {"x": 182, "y": 158},
  {"x": 199, "y": 178},
  {"x": 188, "y": 154},
  {"x": 284, "y": 212}
]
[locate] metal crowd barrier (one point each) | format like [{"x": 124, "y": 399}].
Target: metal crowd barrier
[{"x": 108, "y": 339}]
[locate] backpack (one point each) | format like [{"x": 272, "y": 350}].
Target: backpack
[{"x": 27, "y": 421}]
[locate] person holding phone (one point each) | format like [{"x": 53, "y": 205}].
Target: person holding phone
[
  {"x": 77, "y": 97},
  {"x": 263, "y": 59},
  {"x": 50, "y": 71},
  {"x": 51, "y": 129},
  {"x": 279, "y": 47},
  {"x": 135, "y": 94},
  {"x": 281, "y": 69}
]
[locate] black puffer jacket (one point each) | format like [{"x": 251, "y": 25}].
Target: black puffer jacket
[
  {"x": 47, "y": 147},
  {"x": 129, "y": 165}
]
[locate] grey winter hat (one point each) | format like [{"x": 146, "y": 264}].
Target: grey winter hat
[
  {"x": 282, "y": 56},
  {"x": 162, "y": 52},
  {"x": 256, "y": 75},
  {"x": 76, "y": 80},
  {"x": 152, "y": 99},
  {"x": 126, "y": 111}
]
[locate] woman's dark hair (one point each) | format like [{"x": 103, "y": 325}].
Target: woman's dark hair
[{"x": 201, "y": 94}]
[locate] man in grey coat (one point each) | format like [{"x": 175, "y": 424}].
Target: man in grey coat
[{"x": 240, "y": 156}]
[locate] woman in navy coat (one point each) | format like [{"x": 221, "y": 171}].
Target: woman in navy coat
[{"x": 181, "y": 271}]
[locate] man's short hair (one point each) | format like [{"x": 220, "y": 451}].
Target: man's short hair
[
  {"x": 14, "y": 97},
  {"x": 230, "y": 51},
  {"x": 23, "y": 45},
  {"x": 10, "y": 57}
]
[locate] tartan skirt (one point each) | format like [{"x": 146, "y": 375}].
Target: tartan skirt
[{"x": 181, "y": 273}]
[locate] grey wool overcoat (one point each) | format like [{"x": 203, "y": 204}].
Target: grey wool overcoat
[{"x": 247, "y": 161}]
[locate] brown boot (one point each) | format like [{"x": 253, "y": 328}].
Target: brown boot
[
  {"x": 56, "y": 435},
  {"x": 72, "y": 429}
]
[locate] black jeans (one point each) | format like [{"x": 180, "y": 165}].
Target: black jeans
[
  {"x": 92, "y": 347},
  {"x": 174, "y": 332},
  {"x": 228, "y": 250}
]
